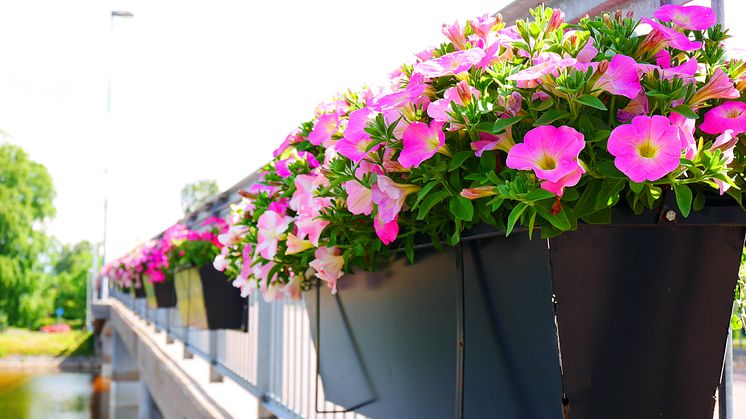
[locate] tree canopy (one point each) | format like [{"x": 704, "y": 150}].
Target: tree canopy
[
  {"x": 197, "y": 193},
  {"x": 26, "y": 194}
]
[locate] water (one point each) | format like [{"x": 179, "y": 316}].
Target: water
[{"x": 43, "y": 395}]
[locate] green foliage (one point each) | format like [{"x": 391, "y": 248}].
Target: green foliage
[
  {"x": 26, "y": 194},
  {"x": 197, "y": 193},
  {"x": 69, "y": 274}
]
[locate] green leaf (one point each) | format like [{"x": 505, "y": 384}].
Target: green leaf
[
  {"x": 461, "y": 208},
  {"x": 592, "y": 101},
  {"x": 609, "y": 192},
  {"x": 685, "y": 111},
  {"x": 531, "y": 221},
  {"x": 429, "y": 202},
  {"x": 636, "y": 187},
  {"x": 609, "y": 170},
  {"x": 409, "y": 248},
  {"x": 601, "y": 135},
  {"x": 514, "y": 215},
  {"x": 538, "y": 194},
  {"x": 735, "y": 322},
  {"x": 683, "y": 198},
  {"x": 503, "y": 123},
  {"x": 602, "y": 216},
  {"x": 488, "y": 162},
  {"x": 587, "y": 202},
  {"x": 737, "y": 195},
  {"x": 550, "y": 116},
  {"x": 559, "y": 220},
  {"x": 424, "y": 191},
  {"x": 699, "y": 201},
  {"x": 459, "y": 159}
]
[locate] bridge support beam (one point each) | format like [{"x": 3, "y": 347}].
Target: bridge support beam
[{"x": 125, "y": 382}]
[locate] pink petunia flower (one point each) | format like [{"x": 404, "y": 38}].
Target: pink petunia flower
[
  {"x": 386, "y": 231},
  {"x": 450, "y": 64},
  {"x": 356, "y": 141},
  {"x": 308, "y": 222},
  {"x": 489, "y": 142},
  {"x": 570, "y": 179},
  {"x": 647, "y": 149},
  {"x": 221, "y": 262},
  {"x": 686, "y": 134},
  {"x": 325, "y": 127},
  {"x": 635, "y": 107},
  {"x": 547, "y": 63},
  {"x": 245, "y": 286},
  {"x": 359, "y": 198},
  {"x": 720, "y": 86},
  {"x": 389, "y": 196},
  {"x": 669, "y": 37},
  {"x": 233, "y": 236},
  {"x": 292, "y": 289},
  {"x": 483, "y": 25},
  {"x": 270, "y": 227},
  {"x": 296, "y": 245},
  {"x": 696, "y": 18},
  {"x": 455, "y": 33},
  {"x": 328, "y": 266},
  {"x": 620, "y": 78},
  {"x": 421, "y": 142},
  {"x": 729, "y": 115},
  {"x": 461, "y": 94},
  {"x": 551, "y": 152},
  {"x": 246, "y": 258}
]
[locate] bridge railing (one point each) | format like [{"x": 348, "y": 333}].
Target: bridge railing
[{"x": 275, "y": 359}]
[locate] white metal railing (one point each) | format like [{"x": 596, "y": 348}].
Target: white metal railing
[{"x": 275, "y": 359}]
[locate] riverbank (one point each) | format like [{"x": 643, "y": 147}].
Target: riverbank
[
  {"x": 90, "y": 364},
  {"x": 22, "y": 349},
  {"x": 26, "y": 342}
]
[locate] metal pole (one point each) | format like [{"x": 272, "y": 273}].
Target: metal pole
[
  {"x": 725, "y": 390},
  {"x": 719, "y": 7}
]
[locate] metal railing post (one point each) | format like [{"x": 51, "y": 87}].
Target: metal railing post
[
  {"x": 215, "y": 376},
  {"x": 725, "y": 390},
  {"x": 264, "y": 345}
]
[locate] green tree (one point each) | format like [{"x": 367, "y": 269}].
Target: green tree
[
  {"x": 197, "y": 193},
  {"x": 70, "y": 273},
  {"x": 26, "y": 194}
]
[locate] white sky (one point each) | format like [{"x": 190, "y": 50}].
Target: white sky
[{"x": 200, "y": 89}]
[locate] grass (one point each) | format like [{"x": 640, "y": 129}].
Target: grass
[{"x": 27, "y": 342}]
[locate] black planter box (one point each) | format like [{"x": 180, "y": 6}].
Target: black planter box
[
  {"x": 161, "y": 294},
  {"x": 139, "y": 291},
  {"x": 642, "y": 309},
  {"x": 643, "y": 324},
  {"x": 470, "y": 330},
  {"x": 208, "y": 300}
]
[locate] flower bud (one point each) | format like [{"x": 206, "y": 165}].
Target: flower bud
[
  {"x": 556, "y": 20},
  {"x": 478, "y": 192}
]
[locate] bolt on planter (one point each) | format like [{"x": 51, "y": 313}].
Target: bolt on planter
[{"x": 207, "y": 300}]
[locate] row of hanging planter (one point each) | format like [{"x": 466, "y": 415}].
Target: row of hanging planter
[
  {"x": 176, "y": 271},
  {"x": 618, "y": 141}
]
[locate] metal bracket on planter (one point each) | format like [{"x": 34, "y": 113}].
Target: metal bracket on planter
[
  {"x": 245, "y": 316},
  {"x": 669, "y": 211},
  {"x": 362, "y": 373}
]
